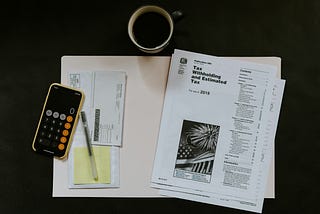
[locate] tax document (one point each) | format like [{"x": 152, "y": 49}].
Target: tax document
[{"x": 217, "y": 131}]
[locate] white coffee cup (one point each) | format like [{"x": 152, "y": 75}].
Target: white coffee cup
[{"x": 150, "y": 9}]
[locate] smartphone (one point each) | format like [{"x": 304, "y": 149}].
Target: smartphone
[{"x": 58, "y": 121}]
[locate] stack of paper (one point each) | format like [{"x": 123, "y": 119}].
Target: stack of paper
[
  {"x": 217, "y": 130},
  {"x": 104, "y": 106}
]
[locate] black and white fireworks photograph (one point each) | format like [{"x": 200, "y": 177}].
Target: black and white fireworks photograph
[{"x": 196, "y": 152}]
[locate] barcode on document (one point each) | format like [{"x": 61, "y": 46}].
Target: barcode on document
[{"x": 96, "y": 125}]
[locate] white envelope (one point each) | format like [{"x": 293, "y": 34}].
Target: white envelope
[{"x": 104, "y": 102}]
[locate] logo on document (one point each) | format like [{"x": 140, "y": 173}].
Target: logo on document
[
  {"x": 183, "y": 60},
  {"x": 182, "y": 66}
]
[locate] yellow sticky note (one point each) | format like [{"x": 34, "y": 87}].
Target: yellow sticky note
[{"x": 82, "y": 168}]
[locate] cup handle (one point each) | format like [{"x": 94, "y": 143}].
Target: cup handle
[{"x": 177, "y": 15}]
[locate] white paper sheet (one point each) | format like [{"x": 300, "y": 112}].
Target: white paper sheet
[
  {"x": 146, "y": 78},
  {"x": 212, "y": 130},
  {"x": 217, "y": 103}
]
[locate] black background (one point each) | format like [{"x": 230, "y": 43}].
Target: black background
[{"x": 34, "y": 35}]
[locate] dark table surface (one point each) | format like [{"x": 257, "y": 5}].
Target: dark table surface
[{"x": 34, "y": 35}]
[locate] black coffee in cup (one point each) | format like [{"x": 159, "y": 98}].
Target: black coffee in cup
[{"x": 151, "y": 29}]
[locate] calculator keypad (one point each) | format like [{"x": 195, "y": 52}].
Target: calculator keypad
[{"x": 54, "y": 131}]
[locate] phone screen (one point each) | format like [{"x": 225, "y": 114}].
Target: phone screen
[{"x": 57, "y": 122}]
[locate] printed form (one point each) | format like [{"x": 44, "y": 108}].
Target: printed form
[
  {"x": 217, "y": 130},
  {"x": 104, "y": 106}
]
